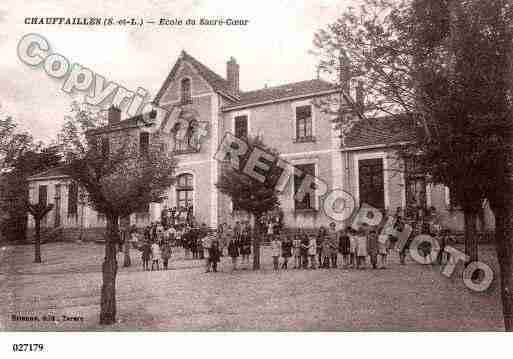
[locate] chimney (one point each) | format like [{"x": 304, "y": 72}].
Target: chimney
[
  {"x": 232, "y": 74},
  {"x": 360, "y": 96},
  {"x": 344, "y": 73},
  {"x": 114, "y": 115}
]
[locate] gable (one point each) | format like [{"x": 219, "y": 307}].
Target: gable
[{"x": 199, "y": 85}]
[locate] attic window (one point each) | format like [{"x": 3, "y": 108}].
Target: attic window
[{"x": 186, "y": 90}]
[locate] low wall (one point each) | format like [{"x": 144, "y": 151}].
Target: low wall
[{"x": 68, "y": 234}]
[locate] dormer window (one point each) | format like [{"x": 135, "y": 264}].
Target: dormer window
[{"x": 186, "y": 90}]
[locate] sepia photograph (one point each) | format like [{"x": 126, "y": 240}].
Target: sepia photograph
[{"x": 271, "y": 166}]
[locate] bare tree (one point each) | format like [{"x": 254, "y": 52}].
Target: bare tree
[
  {"x": 118, "y": 178},
  {"x": 38, "y": 211}
]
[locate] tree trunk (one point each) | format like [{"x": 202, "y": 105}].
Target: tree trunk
[
  {"x": 504, "y": 247},
  {"x": 37, "y": 241},
  {"x": 256, "y": 251},
  {"x": 126, "y": 261},
  {"x": 256, "y": 244},
  {"x": 109, "y": 271},
  {"x": 471, "y": 245}
]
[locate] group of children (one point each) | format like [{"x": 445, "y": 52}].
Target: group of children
[
  {"x": 156, "y": 244},
  {"x": 357, "y": 247},
  {"x": 154, "y": 252},
  {"x": 322, "y": 250}
]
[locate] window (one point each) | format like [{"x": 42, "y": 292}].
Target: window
[
  {"x": 304, "y": 123},
  {"x": 184, "y": 191},
  {"x": 186, "y": 91},
  {"x": 241, "y": 126},
  {"x": 144, "y": 142},
  {"x": 43, "y": 195},
  {"x": 72, "y": 199},
  {"x": 308, "y": 201},
  {"x": 187, "y": 136},
  {"x": 371, "y": 185}
]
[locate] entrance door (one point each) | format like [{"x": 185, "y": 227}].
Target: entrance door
[
  {"x": 371, "y": 182},
  {"x": 57, "y": 205}
]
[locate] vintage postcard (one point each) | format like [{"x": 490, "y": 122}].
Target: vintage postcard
[{"x": 256, "y": 166}]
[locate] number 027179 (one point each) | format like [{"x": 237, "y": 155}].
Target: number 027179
[{"x": 28, "y": 347}]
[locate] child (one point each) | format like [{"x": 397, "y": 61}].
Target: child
[
  {"x": 233, "y": 251},
  {"x": 296, "y": 244},
  {"x": 325, "y": 249},
  {"x": 383, "y": 245},
  {"x": 312, "y": 251},
  {"x": 321, "y": 237},
  {"x": 134, "y": 237},
  {"x": 146, "y": 255},
  {"x": 275, "y": 251},
  {"x": 361, "y": 248},
  {"x": 286, "y": 251},
  {"x": 344, "y": 246},
  {"x": 214, "y": 254},
  {"x": 166, "y": 254},
  {"x": 246, "y": 244},
  {"x": 353, "y": 244},
  {"x": 206, "y": 243},
  {"x": 372, "y": 246},
  {"x": 155, "y": 255},
  {"x": 333, "y": 244},
  {"x": 304, "y": 248}
]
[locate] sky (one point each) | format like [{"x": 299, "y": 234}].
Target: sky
[{"x": 271, "y": 50}]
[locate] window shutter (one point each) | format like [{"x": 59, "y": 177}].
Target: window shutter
[{"x": 72, "y": 199}]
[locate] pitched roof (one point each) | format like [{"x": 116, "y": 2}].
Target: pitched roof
[
  {"x": 132, "y": 122},
  {"x": 218, "y": 83},
  {"x": 379, "y": 131},
  {"x": 295, "y": 89},
  {"x": 52, "y": 172},
  {"x": 248, "y": 98}
]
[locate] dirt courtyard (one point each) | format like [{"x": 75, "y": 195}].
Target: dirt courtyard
[{"x": 67, "y": 286}]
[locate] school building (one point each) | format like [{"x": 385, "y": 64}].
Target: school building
[{"x": 202, "y": 106}]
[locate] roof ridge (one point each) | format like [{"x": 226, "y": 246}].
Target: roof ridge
[
  {"x": 190, "y": 57},
  {"x": 285, "y": 85}
]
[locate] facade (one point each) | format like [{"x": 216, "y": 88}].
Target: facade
[{"x": 202, "y": 106}]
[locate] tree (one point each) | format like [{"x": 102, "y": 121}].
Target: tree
[
  {"x": 20, "y": 157},
  {"x": 118, "y": 179},
  {"x": 249, "y": 194},
  {"x": 445, "y": 64},
  {"x": 38, "y": 211}
]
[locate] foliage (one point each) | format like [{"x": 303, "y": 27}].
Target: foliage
[
  {"x": 121, "y": 181},
  {"x": 439, "y": 66},
  {"x": 447, "y": 65},
  {"x": 20, "y": 157},
  {"x": 119, "y": 178},
  {"x": 247, "y": 193}
]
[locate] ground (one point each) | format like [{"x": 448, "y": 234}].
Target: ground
[{"x": 410, "y": 297}]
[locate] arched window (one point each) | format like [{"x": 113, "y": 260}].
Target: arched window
[
  {"x": 186, "y": 91},
  {"x": 184, "y": 191}
]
